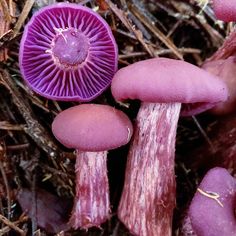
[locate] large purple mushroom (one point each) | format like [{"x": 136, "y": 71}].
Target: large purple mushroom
[
  {"x": 68, "y": 53},
  {"x": 162, "y": 84},
  {"x": 212, "y": 210}
]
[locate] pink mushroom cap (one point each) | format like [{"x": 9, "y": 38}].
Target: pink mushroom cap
[
  {"x": 225, "y": 10},
  {"x": 92, "y": 127},
  {"x": 163, "y": 80},
  {"x": 211, "y": 217}
]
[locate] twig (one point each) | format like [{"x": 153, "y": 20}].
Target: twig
[
  {"x": 34, "y": 203},
  {"x": 11, "y": 225},
  {"x": 4, "y": 125},
  {"x": 134, "y": 54},
  {"x": 34, "y": 129},
  {"x": 204, "y": 134},
  {"x": 157, "y": 32},
  {"x": 24, "y": 14},
  {"x": 17, "y": 147},
  {"x": 4, "y": 176},
  {"x": 56, "y": 172},
  {"x": 123, "y": 18},
  {"x": 182, "y": 50},
  {"x": 5, "y": 10}
]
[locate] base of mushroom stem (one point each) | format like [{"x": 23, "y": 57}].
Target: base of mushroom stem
[
  {"x": 91, "y": 204},
  {"x": 148, "y": 198}
]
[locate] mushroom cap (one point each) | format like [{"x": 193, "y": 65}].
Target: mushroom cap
[
  {"x": 226, "y": 70},
  {"x": 92, "y": 127},
  {"x": 163, "y": 80},
  {"x": 207, "y": 216},
  {"x": 225, "y": 10},
  {"x": 68, "y": 53}
]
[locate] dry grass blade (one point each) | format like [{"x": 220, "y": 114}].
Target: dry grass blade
[
  {"x": 12, "y": 225},
  {"x": 123, "y": 18},
  {"x": 23, "y": 16},
  {"x": 5, "y": 20},
  {"x": 4, "y": 176},
  {"x": 5, "y": 11},
  {"x": 156, "y": 32},
  {"x": 4, "y": 125}
]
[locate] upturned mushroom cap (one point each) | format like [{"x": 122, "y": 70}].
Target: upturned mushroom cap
[
  {"x": 209, "y": 216},
  {"x": 68, "y": 53},
  {"x": 92, "y": 127},
  {"x": 162, "y": 80},
  {"x": 225, "y": 10}
]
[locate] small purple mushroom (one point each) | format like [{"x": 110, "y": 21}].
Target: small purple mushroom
[
  {"x": 212, "y": 210},
  {"x": 93, "y": 130},
  {"x": 68, "y": 53},
  {"x": 162, "y": 84}
]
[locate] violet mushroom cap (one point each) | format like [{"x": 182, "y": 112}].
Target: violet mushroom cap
[
  {"x": 166, "y": 80},
  {"x": 68, "y": 53},
  {"x": 225, "y": 10},
  {"x": 214, "y": 216},
  {"x": 91, "y": 129}
]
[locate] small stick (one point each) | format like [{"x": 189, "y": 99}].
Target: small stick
[
  {"x": 123, "y": 18},
  {"x": 17, "y": 147},
  {"x": 34, "y": 129},
  {"x": 2, "y": 154},
  {"x": 24, "y": 14},
  {"x": 157, "y": 33},
  {"x": 11, "y": 225}
]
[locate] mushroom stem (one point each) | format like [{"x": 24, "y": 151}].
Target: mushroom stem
[
  {"x": 148, "y": 197},
  {"x": 91, "y": 204}
]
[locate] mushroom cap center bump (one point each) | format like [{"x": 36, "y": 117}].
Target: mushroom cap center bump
[{"x": 69, "y": 48}]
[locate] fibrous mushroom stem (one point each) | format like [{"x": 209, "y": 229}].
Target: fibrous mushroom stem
[
  {"x": 148, "y": 197},
  {"x": 91, "y": 204}
]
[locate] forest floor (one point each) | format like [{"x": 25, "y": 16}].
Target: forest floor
[{"x": 33, "y": 163}]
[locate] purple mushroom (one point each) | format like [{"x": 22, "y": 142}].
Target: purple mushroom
[
  {"x": 162, "y": 84},
  {"x": 68, "y": 53},
  {"x": 225, "y": 10},
  {"x": 93, "y": 130},
  {"x": 212, "y": 210}
]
